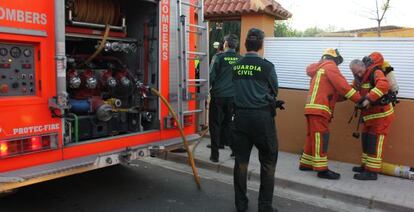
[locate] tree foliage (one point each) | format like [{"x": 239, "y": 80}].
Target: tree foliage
[{"x": 283, "y": 29}]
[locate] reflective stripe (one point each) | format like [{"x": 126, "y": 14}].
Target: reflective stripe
[
  {"x": 374, "y": 163},
  {"x": 322, "y": 159},
  {"x": 316, "y": 85},
  {"x": 318, "y": 106},
  {"x": 374, "y": 160},
  {"x": 317, "y": 144},
  {"x": 308, "y": 157},
  {"x": 320, "y": 165},
  {"x": 376, "y": 166},
  {"x": 314, "y": 161},
  {"x": 307, "y": 162},
  {"x": 379, "y": 115},
  {"x": 364, "y": 158},
  {"x": 379, "y": 148},
  {"x": 350, "y": 93},
  {"x": 366, "y": 85},
  {"x": 377, "y": 91}
]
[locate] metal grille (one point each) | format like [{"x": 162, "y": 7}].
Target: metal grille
[{"x": 292, "y": 55}]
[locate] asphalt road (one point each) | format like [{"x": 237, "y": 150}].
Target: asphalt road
[{"x": 143, "y": 187}]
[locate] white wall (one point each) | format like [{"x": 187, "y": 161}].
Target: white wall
[{"x": 292, "y": 55}]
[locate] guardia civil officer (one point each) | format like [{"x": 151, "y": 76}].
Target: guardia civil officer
[
  {"x": 222, "y": 92},
  {"x": 256, "y": 88}
]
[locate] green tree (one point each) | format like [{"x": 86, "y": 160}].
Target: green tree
[
  {"x": 283, "y": 29},
  {"x": 312, "y": 31}
]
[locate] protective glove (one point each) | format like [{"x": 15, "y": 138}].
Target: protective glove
[
  {"x": 279, "y": 104},
  {"x": 363, "y": 103}
]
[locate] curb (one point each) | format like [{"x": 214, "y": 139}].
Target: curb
[{"x": 325, "y": 193}]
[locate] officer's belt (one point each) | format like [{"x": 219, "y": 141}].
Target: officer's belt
[{"x": 265, "y": 108}]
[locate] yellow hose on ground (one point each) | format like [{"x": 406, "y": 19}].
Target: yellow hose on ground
[
  {"x": 185, "y": 142},
  {"x": 397, "y": 170}
]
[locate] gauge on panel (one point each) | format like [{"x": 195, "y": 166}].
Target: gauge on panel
[
  {"x": 3, "y": 52},
  {"x": 27, "y": 52},
  {"x": 15, "y": 52}
]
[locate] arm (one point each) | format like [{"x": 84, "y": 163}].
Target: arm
[
  {"x": 273, "y": 81},
  {"x": 381, "y": 86},
  {"x": 340, "y": 84},
  {"x": 213, "y": 66}
]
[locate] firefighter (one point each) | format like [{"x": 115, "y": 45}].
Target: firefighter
[
  {"x": 222, "y": 92},
  {"x": 327, "y": 86},
  {"x": 376, "y": 116},
  {"x": 256, "y": 87}
]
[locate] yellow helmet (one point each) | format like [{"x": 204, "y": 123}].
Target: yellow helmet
[
  {"x": 332, "y": 54},
  {"x": 385, "y": 65}
]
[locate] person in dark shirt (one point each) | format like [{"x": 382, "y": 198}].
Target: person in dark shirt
[
  {"x": 222, "y": 92},
  {"x": 256, "y": 88}
]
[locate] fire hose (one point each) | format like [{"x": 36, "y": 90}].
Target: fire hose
[
  {"x": 185, "y": 142},
  {"x": 101, "y": 45},
  {"x": 97, "y": 11}
]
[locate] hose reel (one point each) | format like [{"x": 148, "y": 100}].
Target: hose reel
[{"x": 95, "y": 11}]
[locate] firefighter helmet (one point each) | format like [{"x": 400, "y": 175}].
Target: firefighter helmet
[{"x": 332, "y": 54}]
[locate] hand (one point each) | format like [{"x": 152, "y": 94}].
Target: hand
[
  {"x": 279, "y": 104},
  {"x": 363, "y": 104}
]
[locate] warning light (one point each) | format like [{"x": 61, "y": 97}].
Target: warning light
[
  {"x": 3, "y": 148},
  {"x": 18, "y": 146},
  {"x": 36, "y": 142}
]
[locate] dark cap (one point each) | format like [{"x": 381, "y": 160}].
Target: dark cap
[{"x": 255, "y": 34}]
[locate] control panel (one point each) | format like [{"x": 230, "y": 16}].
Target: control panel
[{"x": 17, "y": 70}]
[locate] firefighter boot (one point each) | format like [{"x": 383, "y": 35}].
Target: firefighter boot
[
  {"x": 366, "y": 175},
  {"x": 328, "y": 174},
  {"x": 358, "y": 169}
]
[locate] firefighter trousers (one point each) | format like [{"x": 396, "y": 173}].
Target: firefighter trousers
[
  {"x": 315, "y": 151},
  {"x": 373, "y": 139},
  {"x": 220, "y": 114},
  {"x": 254, "y": 127}
]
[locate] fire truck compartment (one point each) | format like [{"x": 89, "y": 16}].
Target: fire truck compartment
[{"x": 112, "y": 60}]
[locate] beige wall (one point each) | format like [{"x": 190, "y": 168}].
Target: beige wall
[
  {"x": 398, "y": 149},
  {"x": 389, "y": 33},
  {"x": 260, "y": 21}
]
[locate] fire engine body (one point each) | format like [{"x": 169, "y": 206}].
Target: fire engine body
[{"x": 64, "y": 110}]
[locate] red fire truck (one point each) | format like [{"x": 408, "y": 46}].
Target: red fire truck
[{"x": 75, "y": 78}]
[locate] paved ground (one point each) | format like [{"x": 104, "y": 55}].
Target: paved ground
[
  {"x": 346, "y": 194},
  {"x": 150, "y": 185}
]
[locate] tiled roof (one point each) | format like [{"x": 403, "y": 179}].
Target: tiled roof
[{"x": 229, "y": 8}]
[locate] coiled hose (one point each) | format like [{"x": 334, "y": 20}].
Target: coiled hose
[
  {"x": 97, "y": 11},
  {"x": 185, "y": 142}
]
